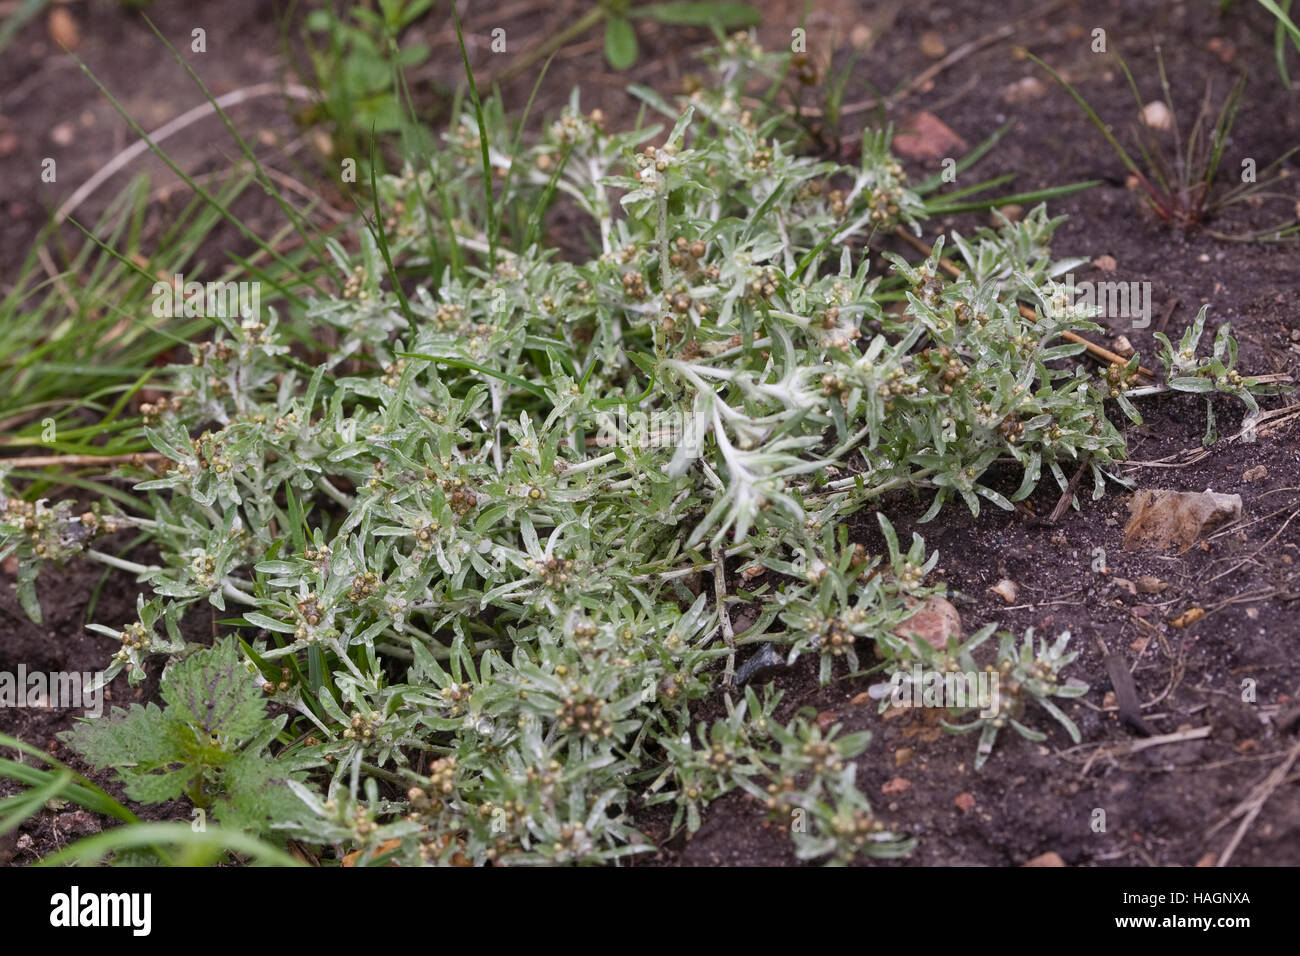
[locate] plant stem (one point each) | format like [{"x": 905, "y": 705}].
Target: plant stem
[{"x": 120, "y": 563}]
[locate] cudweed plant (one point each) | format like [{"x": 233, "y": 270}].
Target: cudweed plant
[
  {"x": 1186, "y": 372},
  {"x": 1028, "y": 673},
  {"x": 491, "y": 628},
  {"x": 1023, "y": 672}
]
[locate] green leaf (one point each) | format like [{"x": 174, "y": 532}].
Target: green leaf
[
  {"x": 27, "y": 599},
  {"x": 139, "y": 737},
  {"x": 1062, "y": 718},
  {"x": 620, "y": 42},
  {"x": 257, "y": 795},
  {"x": 269, "y": 623},
  {"x": 212, "y": 692},
  {"x": 158, "y": 787}
]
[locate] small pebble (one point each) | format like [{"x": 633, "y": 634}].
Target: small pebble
[
  {"x": 932, "y": 45},
  {"x": 1024, "y": 90},
  {"x": 1156, "y": 115}
]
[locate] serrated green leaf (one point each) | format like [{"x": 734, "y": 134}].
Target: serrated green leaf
[{"x": 212, "y": 692}]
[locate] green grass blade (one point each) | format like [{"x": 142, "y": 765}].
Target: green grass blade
[
  {"x": 197, "y": 848},
  {"x": 1092, "y": 115},
  {"x": 78, "y": 789},
  {"x": 300, "y": 224},
  {"x": 189, "y": 181},
  {"x": 1037, "y": 195},
  {"x": 482, "y": 141},
  {"x": 970, "y": 159}
]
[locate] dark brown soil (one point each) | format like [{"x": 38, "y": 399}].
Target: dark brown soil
[
  {"x": 61, "y": 643},
  {"x": 1165, "y": 805}
]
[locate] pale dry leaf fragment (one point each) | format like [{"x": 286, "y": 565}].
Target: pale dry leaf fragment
[
  {"x": 1188, "y": 617},
  {"x": 894, "y": 711},
  {"x": 1006, "y": 589},
  {"x": 1149, "y": 584},
  {"x": 932, "y": 45},
  {"x": 1012, "y": 212},
  {"x": 63, "y": 28},
  {"x": 1161, "y": 518},
  {"x": 1024, "y": 90},
  {"x": 925, "y": 136},
  {"x": 1223, "y": 48}
]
